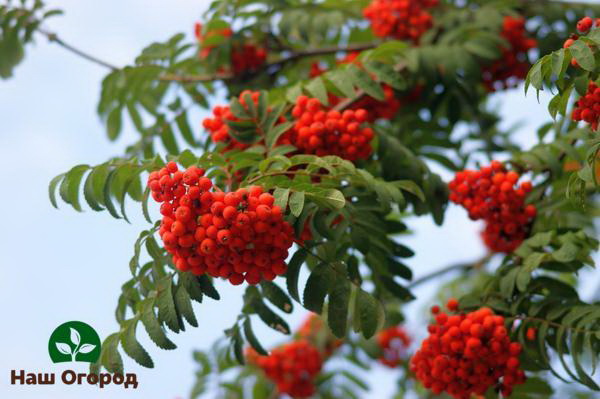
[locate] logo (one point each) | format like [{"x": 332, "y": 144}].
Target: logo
[{"x": 74, "y": 341}]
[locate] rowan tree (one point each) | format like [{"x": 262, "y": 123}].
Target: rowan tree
[{"x": 338, "y": 110}]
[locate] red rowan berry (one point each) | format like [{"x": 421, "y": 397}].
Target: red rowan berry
[
  {"x": 531, "y": 334},
  {"x": 172, "y": 167},
  {"x": 452, "y": 304}
]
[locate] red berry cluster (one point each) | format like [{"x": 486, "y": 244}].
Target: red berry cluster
[
  {"x": 219, "y": 130},
  {"x": 490, "y": 194},
  {"x": 466, "y": 354},
  {"x": 394, "y": 342},
  {"x": 238, "y": 235},
  {"x": 400, "y": 19},
  {"x": 329, "y": 132},
  {"x": 292, "y": 367},
  {"x": 245, "y": 57},
  {"x": 512, "y": 67},
  {"x": 587, "y": 108}
]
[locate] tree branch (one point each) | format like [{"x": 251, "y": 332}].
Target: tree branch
[
  {"x": 295, "y": 55},
  {"x": 53, "y": 37}
]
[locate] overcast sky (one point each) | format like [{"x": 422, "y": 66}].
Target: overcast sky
[{"x": 58, "y": 265}]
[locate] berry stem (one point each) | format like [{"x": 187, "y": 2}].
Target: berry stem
[{"x": 464, "y": 267}]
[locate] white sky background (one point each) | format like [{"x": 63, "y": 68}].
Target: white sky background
[{"x": 60, "y": 265}]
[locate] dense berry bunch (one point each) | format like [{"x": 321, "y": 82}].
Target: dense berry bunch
[
  {"x": 394, "y": 342},
  {"x": 329, "y": 132},
  {"x": 512, "y": 67},
  {"x": 466, "y": 354},
  {"x": 492, "y": 194},
  {"x": 292, "y": 367},
  {"x": 587, "y": 108},
  {"x": 400, "y": 19},
  {"x": 245, "y": 57},
  {"x": 238, "y": 235},
  {"x": 220, "y": 132}
]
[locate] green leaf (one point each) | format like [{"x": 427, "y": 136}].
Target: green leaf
[
  {"x": 113, "y": 123},
  {"x": 208, "y": 288},
  {"x": 369, "y": 312},
  {"x": 317, "y": 89},
  {"x": 276, "y": 132},
  {"x": 251, "y": 337},
  {"x": 238, "y": 345},
  {"x": 339, "y": 299},
  {"x": 52, "y": 189},
  {"x": 110, "y": 357},
  {"x": 132, "y": 347},
  {"x": 342, "y": 81},
  {"x": 508, "y": 282},
  {"x": 317, "y": 287},
  {"x": 184, "y": 128},
  {"x": 566, "y": 253},
  {"x": 281, "y": 197},
  {"x": 94, "y": 185},
  {"x": 411, "y": 187},
  {"x": 183, "y": 304},
  {"x": 269, "y": 317},
  {"x": 277, "y": 296},
  {"x": 387, "y": 74},
  {"x": 145, "y": 210},
  {"x": 153, "y": 327},
  {"x": 362, "y": 79},
  {"x": 192, "y": 285},
  {"x": 107, "y": 195},
  {"x": 168, "y": 138},
  {"x": 397, "y": 290},
  {"x": 293, "y": 272},
  {"x": 166, "y": 305},
  {"x": 583, "y": 54},
  {"x": 331, "y": 197},
  {"x": 72, "y": 181},
  {"x": 296, "y": 203}
]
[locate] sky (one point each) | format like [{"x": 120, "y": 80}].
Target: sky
[{"x": 60, "y": 265}]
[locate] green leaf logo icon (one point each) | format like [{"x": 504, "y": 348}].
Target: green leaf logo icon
[{"x": 74, "y": 341}]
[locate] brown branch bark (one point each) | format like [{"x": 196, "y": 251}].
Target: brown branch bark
[{"x": 296, "y": 55}]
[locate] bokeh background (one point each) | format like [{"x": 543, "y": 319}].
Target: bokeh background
[{"x": 58, "y": 265}]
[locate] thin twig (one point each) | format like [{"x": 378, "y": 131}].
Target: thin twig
[
  {"x": 460, "y": 266},
  {"x": 554, "y": 324},
  {"x": 53, "y": 37}
]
